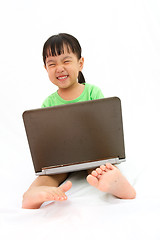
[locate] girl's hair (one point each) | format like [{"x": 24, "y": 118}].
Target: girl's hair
[{"x": 55, "y": 46}]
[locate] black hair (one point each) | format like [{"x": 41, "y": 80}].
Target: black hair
[{"x": 55, "y": 46}]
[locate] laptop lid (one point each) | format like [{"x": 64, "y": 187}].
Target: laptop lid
[{"x": 76, "y": 135}]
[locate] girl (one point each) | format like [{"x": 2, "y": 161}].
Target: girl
[{"x": 64, "y": 63}]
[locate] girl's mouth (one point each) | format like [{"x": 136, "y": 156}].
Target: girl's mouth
[{"x": 61, "y": 78}]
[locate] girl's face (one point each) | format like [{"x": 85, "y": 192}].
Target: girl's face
[{"x": 63, "y": 69}]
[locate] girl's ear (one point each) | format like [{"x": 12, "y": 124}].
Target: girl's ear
[
  {"x": 45, "y": 67},
  {"x": 81, "y": 63}
]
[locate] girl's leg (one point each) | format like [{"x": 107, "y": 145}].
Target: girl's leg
[{"x": 46, "y": 188}]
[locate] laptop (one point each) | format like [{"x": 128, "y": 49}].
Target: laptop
[{"x": 76, "y": 136}]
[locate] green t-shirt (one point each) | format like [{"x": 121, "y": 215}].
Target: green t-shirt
[{"x": 90, "y": 92}]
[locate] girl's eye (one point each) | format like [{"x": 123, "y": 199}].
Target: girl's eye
[
  {"x": 51, "y": 65},
  {"x": 67, "y": 61}
]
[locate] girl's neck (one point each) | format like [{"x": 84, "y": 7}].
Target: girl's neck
[{"x": 72, "y": 92}]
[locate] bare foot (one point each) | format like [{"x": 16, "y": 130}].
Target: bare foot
[
  {"x": 109, "y": 179},
  {"x": 35, "y": 196}
]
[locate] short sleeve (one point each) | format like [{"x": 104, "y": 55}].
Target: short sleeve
[
  {"x": 97, "y": 93},
  {"x": 47, "y": 103}
]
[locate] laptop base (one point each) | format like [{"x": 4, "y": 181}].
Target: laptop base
[{"x": 77, "y": 167}]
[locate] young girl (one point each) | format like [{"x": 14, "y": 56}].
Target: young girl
[{"x": 64, "y": 63}]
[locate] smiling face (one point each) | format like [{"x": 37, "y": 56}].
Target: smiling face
[{"x": 63, "y": 69}]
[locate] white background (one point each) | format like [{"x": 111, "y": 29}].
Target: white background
[{"x": 121, "y": 45}]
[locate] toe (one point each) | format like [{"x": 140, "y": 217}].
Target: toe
[
  {"x": 99, "y": 171},
  {"x": 66, "y": 186},
  {"x": 102, "y": 167},
  {"x": 93, "y": 181},
  {"x": 109, "y": 166},
  {"x": 56, "y": 197},
  {"x": 63, "y": 198},
  {"x": 94, "y": 173}
]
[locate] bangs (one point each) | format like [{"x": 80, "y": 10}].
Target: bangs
[{"x": 55, "y": 45}]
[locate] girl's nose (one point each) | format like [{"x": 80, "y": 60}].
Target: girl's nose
[{"x": 59, "y": 69}]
